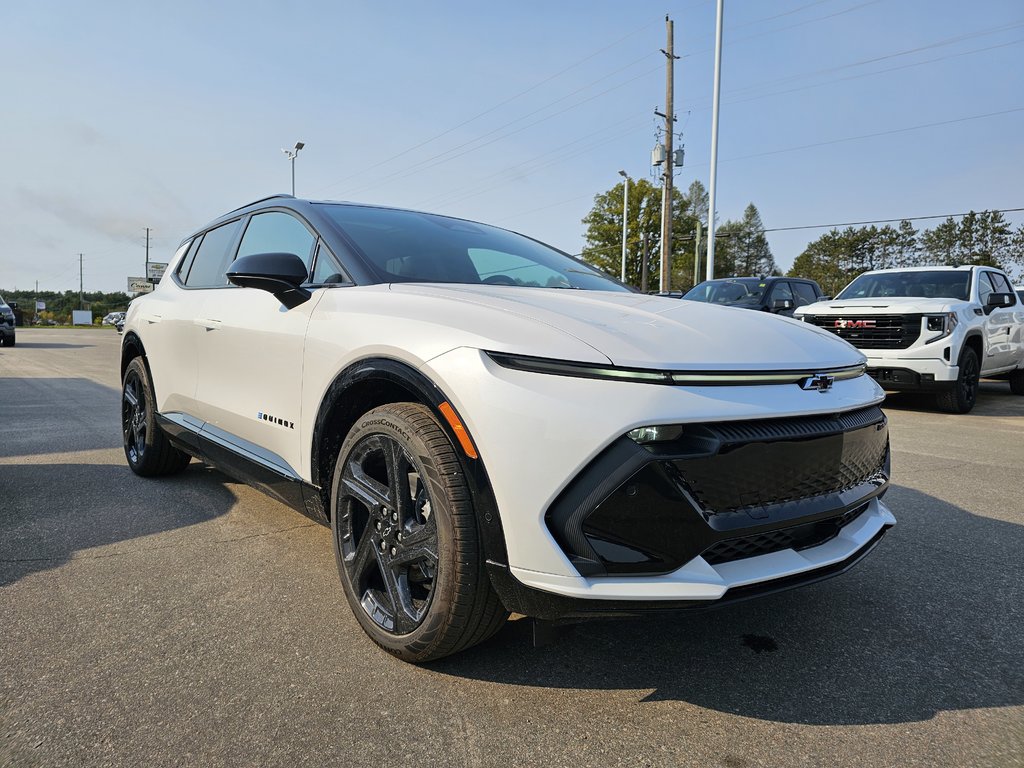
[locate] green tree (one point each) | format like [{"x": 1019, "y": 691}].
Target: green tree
[{"x": 603, "y": 236}]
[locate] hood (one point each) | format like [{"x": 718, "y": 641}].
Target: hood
[
  {"x": 640, "y": 331},
  {"x": 893, "y": 305}
]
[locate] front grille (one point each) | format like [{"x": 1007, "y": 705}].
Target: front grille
[
  {"x": 887, "y": 331},
  {"x": 765, "y": 463},
  {"x": 796, "y": 537}
]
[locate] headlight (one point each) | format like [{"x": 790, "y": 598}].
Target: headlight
[
  {"x": 942, "y": 324},
  {"x": 660, "y": 434}
]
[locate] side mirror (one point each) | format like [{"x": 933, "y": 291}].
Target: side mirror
[
  {"x": 824, "y": 298},
  {"x": 281, "y": 274},
  {"x": 1000, "y": 300},
  {"x": 782, "y": 305},
  {"x": 13, "y": 305}
]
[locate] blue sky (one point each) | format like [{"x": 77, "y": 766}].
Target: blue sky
[{"x": 120, "y": 116}]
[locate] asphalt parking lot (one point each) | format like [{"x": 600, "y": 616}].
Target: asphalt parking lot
[{"x": 194, "y": 621}]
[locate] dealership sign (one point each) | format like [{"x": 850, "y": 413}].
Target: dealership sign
[
  {"x": 156, "y": 270},
  {"x": 139, "y": 285}
]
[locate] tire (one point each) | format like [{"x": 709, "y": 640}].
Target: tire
[
  {"x": 964, "y": 393},
  {"x": 406, "y": 538},
  {"x": 149, "y": 452},
  {"x": 1017, "y": 382}
]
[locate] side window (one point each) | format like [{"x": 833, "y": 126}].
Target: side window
[
  {"x": 186, "y": 263},
  {"x": 804, "y": 294},
  {"x": 277, "y": 232},
  {"x": 1002, "y": 285},
  {"x": 780, "y": 291},
  {"x": 326, "y": 268},
  {"x": 212, "y": 258},
  {"x": 985, "y": 287}
]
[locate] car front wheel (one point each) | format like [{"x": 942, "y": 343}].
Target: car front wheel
[
  {"x": 406, "y": 538},
  {"x": 961, "y": 398}
]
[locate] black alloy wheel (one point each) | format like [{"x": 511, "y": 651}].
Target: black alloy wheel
[
  {"x": 406, "y": 539},
  {"x": 388, "y": 533},
  {"x": 146, "y": 447},
  {"x": 962, "y": 397}
]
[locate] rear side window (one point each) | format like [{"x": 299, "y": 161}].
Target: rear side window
[
  {"x": 804, "y": 294},
  {"x": 277, "y": 232},
  {"x": 212, "y": 257}
]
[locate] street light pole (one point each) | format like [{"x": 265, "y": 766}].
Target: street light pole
[
  {"x": 625, "y": 212},
  {"x": 714, "y": 140},
  {"x": 290, "y": 154}
]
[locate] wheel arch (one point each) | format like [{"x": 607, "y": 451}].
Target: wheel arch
[
  {"x": 131, "y": 347},
  {"x": 373, "y": 382},
  {"x": 975, "y": 342}
]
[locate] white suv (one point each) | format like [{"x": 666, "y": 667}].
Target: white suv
[
  {"x": 936, "y": 329},
  {"x": 489, "y": 425}
]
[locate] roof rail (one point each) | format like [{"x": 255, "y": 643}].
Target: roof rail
[{"x": 262, "y": 199}]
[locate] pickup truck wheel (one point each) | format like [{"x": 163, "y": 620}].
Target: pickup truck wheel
[
  {"x": 1017, "y": 382},
  {"x": 406, "y": 540},
  {"x": 149, "y": 452},
  {"x": 961, "y": 398}
]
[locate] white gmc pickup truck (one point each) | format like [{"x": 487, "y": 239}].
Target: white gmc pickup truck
[{"x": 937, "y": 329}]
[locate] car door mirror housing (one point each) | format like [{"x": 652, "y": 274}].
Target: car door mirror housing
[
  {"x": 1000, "y": 300},
  {"x": 281, "y": 274},
  {"x": 781, "y": 305}
]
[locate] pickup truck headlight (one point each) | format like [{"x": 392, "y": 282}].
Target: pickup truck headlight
[{"x": 942, "y": 324}]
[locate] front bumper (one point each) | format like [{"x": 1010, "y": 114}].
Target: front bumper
[{"x": 539, "y": 434}]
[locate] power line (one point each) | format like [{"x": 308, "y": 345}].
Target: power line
[{"x": 890, "y": 221}]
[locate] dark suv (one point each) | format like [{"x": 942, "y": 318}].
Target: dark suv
[
  {"x": 780, "y": 295},
  {"x": 6, "y": 323}
]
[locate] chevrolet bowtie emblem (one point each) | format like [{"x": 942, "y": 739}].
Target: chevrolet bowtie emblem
[{"x": 820, "y": 382}]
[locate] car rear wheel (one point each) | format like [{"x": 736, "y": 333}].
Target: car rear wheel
[
  {"x": 406, "y": 538},
  {"x": 146, "y": 447},
  {"x": 961, "y": 398},
  {"x": 1017, "y": 382}
]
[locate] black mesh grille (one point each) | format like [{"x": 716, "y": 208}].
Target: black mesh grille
[
  {"x": 796, "y": 537},
  {"x": 872, "y": 331},
  {"x": 773, "y": 462}
]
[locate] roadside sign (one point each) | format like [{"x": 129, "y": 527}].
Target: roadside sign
[
  {"x": 40, "y": 306},
  {"x": 156, "y": 270},
  {"x": 139, "y": 285}
]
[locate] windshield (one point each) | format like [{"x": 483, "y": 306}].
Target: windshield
[
  {"x": 940, "y": 284},
  {"x": 406, "y": 247},
  {"x": 738, "y": 291}
]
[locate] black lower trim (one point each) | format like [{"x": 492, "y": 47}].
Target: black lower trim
[
  {"x": 906, "y": 380},
  {"x": 519, "y": 598}
]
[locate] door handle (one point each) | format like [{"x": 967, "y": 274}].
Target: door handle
[{"x": 153, "y": 318}]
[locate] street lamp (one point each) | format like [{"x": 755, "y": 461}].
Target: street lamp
[
  {"x": 290, "y": 154},
  {"x": 625, "y": 210}
]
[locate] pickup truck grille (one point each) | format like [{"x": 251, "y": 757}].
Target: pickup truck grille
[{"x": 871, "y": 331}]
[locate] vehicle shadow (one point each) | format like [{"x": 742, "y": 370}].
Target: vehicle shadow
[
  {"x": 52, "y": 415},
  {"x": 53, "y": 513},
  {"x": 929, "y": 622},
  {"x": 994, "y": 399}
]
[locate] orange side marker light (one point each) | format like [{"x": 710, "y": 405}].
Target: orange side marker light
[{"x": 460, "y": 431}]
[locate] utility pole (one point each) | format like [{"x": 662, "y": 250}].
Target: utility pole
[
  {"x": 714, "y": 140},
  {"x": 625, "y": 220},
  {"x": 666, "y": 192},
  {"x": 81, "y": 282},
  {"x": 146, "y": 273},
  {"x": 696, "y": 257},
  {"x": 644, "y": 264}
]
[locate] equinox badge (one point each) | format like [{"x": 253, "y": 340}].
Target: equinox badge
[{"x": 821, "y": 382}]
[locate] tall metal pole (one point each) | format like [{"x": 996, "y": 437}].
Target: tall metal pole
[
  {"x": 625, "y": 220},
  {"x": 644, "y": 265},
  {"x": 293, "y": 173},
  {"x": 714, "y": 141},
  {"x": 666, "y": 192},
  {"x": 81, "y": 293},
  {"x": 146, "y": 273},
  {"x": 696, "y": 256}
]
